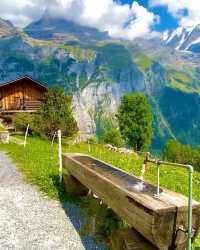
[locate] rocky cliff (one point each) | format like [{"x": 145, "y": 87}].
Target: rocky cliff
[{"x": 98, "y": 72}]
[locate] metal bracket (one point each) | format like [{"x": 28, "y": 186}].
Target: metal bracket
[{"x": 184, "y": 230}]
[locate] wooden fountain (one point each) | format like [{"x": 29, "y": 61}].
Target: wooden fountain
[{"x": 162, "y": 220}]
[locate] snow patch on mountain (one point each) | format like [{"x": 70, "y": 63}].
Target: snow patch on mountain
[{"x": 182, "y": 38}]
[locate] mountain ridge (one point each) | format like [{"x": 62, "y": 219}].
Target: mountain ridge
[
  {"x": 60, "y": 29},
  {"x": 187, "y": 39},
  {"x": 6, "y": 28},
  {"x": 98, "y": 72}
]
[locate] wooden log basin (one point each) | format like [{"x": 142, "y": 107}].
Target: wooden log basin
[{"x": 161, "y": 220}]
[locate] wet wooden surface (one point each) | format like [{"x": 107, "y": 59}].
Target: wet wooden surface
[{"x": 156, "y": 218}]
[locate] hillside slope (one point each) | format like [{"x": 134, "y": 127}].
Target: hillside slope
[
  {"x": 98, "y": 73},
  {"x": 58, "y": 29}
]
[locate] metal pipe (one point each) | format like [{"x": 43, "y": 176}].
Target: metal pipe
[
  {"x": 190, "y": 174},
  {"x": 190, "y": 233},
  {"x": 158, "y": 179}
]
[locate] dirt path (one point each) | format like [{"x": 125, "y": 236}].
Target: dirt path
[{"x": 29, "y": 221}]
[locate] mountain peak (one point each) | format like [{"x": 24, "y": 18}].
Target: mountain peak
[
  {"x": 51, "y": 27},
  {"x": 183, "y": 38},
  {"x": 6, "y": 27}
]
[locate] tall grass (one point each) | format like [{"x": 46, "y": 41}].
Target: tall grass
[{"x": 38, "y": 163}]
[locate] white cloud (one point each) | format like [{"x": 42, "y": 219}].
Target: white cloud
[
  {"x": 122, "y": 21},
  {"x": 21, "y": 12},
  {"x": 178, "y": 7}
]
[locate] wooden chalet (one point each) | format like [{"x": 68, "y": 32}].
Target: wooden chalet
[{"x": 21, "y": 95}]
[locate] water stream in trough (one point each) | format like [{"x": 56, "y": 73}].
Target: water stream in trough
[{"x": 130, "y": 182}]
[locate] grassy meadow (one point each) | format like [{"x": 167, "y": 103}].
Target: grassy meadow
[{"x": 38, "y": 162}]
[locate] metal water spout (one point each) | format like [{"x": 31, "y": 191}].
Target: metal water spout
[
  {"x": 190, "y": 170},
  {"x": 144, "y": 166}
]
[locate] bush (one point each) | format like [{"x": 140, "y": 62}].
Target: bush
[
  {"x": 92, "y": 140},
  {"x": 113, "y": 137},
  {"x": 21, "y": 120},
  {"x": 2, "y": 128},
  {"x": 176, "y": 152},
  {"x": 56, "y": 113}
]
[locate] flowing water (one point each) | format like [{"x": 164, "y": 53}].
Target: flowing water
[{"x": 131, "y": 183}]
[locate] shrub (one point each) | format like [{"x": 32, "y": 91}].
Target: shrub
[
  {"x": 2, "y": 128},
  {"x": 113, "y": 137},
  {"x": 21, "y": 120},
  {"x": 92, "y": 140},
  {"x": 176, "y": 152},
  {"x": 56, "y": 113}
]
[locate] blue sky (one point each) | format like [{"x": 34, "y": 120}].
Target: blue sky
[{"x": 167, "y": 21}]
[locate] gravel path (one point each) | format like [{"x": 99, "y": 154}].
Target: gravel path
[{"x": 30, "y": 221}]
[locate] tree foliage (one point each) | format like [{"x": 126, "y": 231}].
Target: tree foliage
[
  {"x": 113, "y": 137},
  {"x": 174, "y": 151},
  {"x": 21, "y": 120},
  {"x": 56, "y": 113},
  {"x": 135, "y": 120}
]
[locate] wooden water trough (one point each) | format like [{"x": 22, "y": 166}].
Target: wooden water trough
[{"x": 162, "y": 220}]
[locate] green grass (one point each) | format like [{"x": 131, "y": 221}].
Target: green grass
[
  {"x": 185, "y": 88},
  {"x": 144, "y": 62},
  {"x": 39, "y": 164},
  {"x": 79, "y": 54},
  {"x": 45, "y": 60},
  {"x": 116, "y": 56},
  {"x": 123, "y": 161},
  {"x": 2, "y": 128},
  {"x": 180, "y": 80},
  {"x": 181, "y": 77},
  {"x": 35, "y": 42}
]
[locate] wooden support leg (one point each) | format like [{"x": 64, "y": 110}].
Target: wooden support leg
[
  {"x": 129, "y": 239},
  {"x": 180, "y": 242},
  {"x": 181, "y": 247},
  {"x": 73, "y": 186}
]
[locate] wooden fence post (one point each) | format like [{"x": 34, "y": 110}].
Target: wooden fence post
[
  {"x": 26, "y": 135},
  {"x": 60, "y": 154},
  {"x": 89, "y": 149}
]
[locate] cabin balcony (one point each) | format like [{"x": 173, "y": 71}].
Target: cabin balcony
[{"x": 29, "y": 106}]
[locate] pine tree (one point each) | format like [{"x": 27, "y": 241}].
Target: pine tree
[{"x": 56, "y": 113}]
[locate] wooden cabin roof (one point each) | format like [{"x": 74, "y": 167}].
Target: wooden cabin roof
[{"x": 20, "y": 79}]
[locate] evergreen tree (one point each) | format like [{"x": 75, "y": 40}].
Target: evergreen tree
[
  {"x": 56, "y": 113},
  {"x": 113, "y": 137},
  {"x": 135, "y": 120}
]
